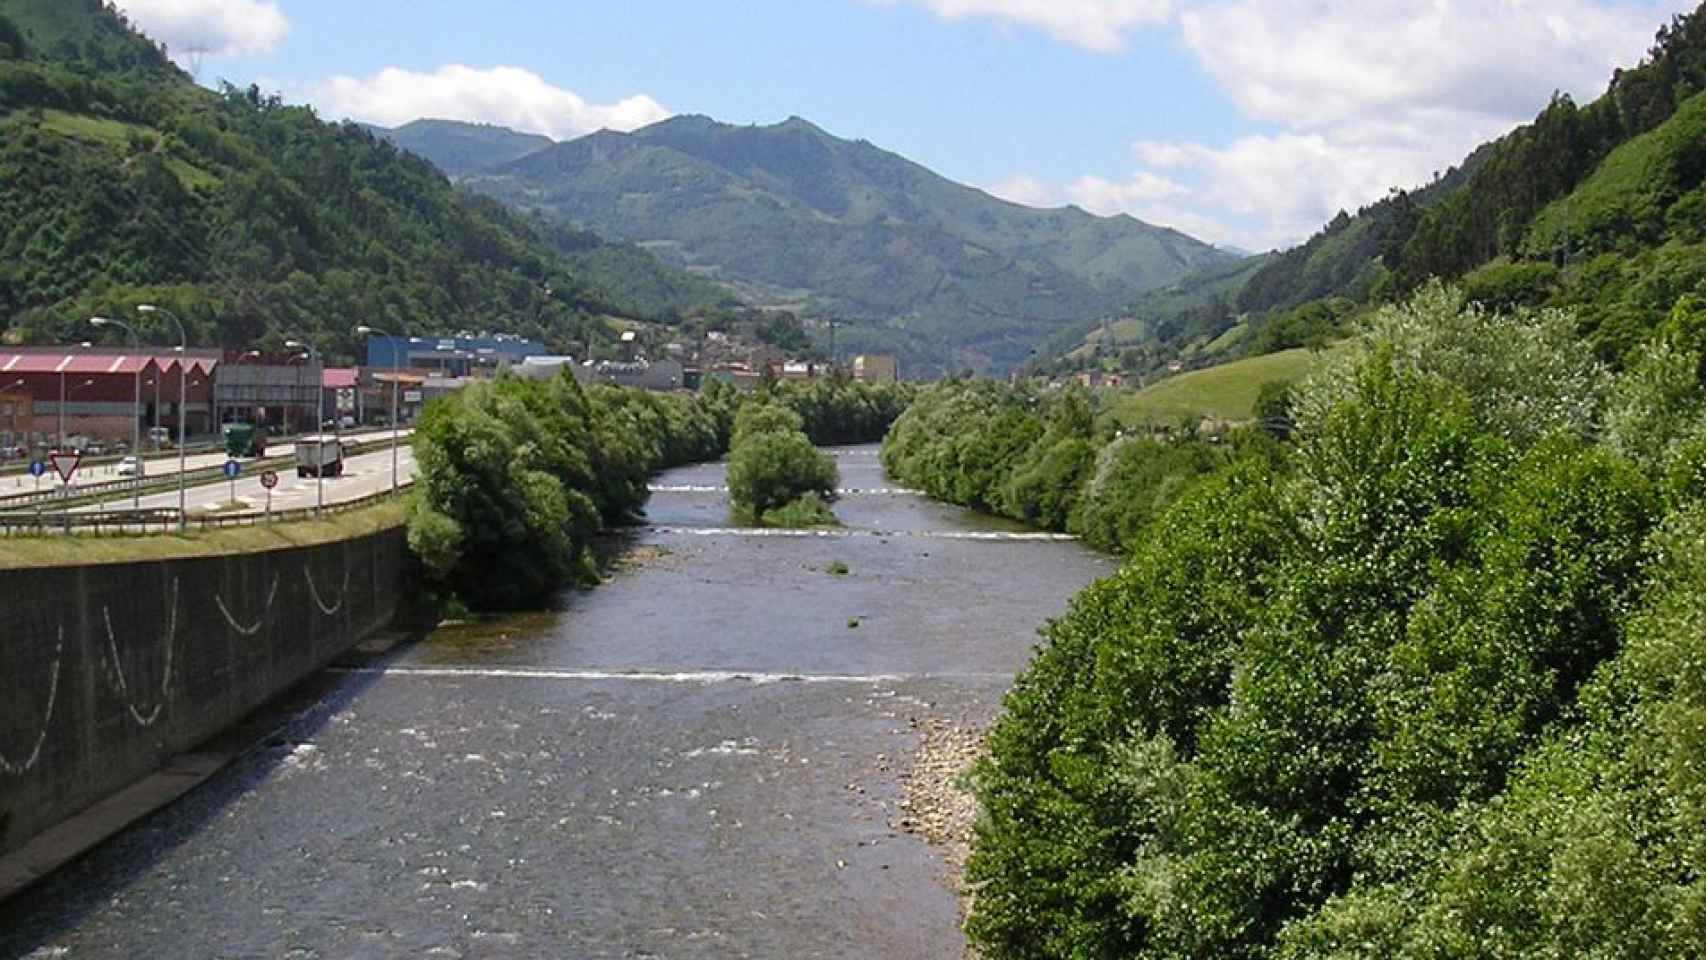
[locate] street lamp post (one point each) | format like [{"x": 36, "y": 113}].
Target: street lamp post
[
  {"x": 183, "y": 397},
  {"x": 319, "y": 420},
  {"x": 62, "y": 375},
  {"x": 251, "y": 354},
  {"x": 396, "y": 385},
  {"x": 136, "y": 403},
  {"x": 8, "y": 388}
]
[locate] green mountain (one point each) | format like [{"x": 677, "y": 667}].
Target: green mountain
[
  {"x": 122, "y": 182},
  {"x": 944, "y": 274},
  {"x": 460, "y": 148}
]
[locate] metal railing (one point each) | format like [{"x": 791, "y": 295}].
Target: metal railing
[{"x": 165, "y": 520}]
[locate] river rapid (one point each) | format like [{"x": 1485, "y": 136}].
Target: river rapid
[{"x": 699, "y": 758}]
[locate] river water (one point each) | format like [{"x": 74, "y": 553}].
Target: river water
[{"x": 697, "y": 759}]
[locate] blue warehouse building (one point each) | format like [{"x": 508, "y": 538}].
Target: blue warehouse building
[{"x": 453, "y": 356}]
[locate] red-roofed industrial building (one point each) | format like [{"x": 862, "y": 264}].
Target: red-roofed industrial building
[{"x": 50, "y": 393}]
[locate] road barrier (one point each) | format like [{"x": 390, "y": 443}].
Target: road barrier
[{"x": 165, "y": 520}]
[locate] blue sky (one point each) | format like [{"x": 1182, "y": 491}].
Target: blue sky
[{"x": 1247, "y": 122}]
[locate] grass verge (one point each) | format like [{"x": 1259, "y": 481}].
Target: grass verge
[
  {"x": 1226, "y": 392},
  {"x": 70, "y": 551}
]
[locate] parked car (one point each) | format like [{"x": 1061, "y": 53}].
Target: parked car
[{"x": 131, "y": 467}]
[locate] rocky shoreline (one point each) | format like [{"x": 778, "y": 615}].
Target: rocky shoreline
[{"x": 937, "y": 804}]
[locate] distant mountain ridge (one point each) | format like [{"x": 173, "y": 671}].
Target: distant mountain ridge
[
  {"x": 909, "y": 261},
  {"x": 460, "y": 148}
]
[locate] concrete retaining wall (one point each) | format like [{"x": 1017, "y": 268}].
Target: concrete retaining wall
[{"x": 106, "y": 671}]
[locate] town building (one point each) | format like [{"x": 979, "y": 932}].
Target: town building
[
  {"x": 52, "y": 396},
  {"x": 643, "y": 374},
  {"x": 875, "y": 368},
  {"x": 273, "y": 390},
  {"x": 458, "y": 356}
]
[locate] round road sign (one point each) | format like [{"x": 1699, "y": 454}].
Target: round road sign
[
  {"x": 232, "y": 468},
  {"x": 37, "y": 468},
  {"x": 269, "y": 479}
]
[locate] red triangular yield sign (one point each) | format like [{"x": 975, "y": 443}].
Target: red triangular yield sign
[{"x": 64, "y": 464}]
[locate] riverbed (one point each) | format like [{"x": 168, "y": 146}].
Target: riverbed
[{"x": 698, "y": 758}]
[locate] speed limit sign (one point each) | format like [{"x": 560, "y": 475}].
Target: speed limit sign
[{"x": 269, "y": 479}]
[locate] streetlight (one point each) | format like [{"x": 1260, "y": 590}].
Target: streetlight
[
  {"x": 235, "y": 364},
  {"x": 136, "y": 403},
  {"x": 396, "y": 384},
  {"x": 183, "y": 397},
  {"x": 319, "y": 425},
  {"x": 6, "y": 453},
  {"x": 62, "y": 374}
]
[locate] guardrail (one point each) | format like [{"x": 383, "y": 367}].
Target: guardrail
[
  {"x": 156, "y": 483},
  {"x": 165, "y": 520}
]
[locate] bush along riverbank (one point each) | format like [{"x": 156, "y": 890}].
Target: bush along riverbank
[
  {"x": 514, "y": 477},
  {"x": 1425, "y": 682},
  {"x": 1041, "y": 458}
]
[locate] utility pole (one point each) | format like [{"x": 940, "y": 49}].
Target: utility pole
[{"x": 183, "y": 399}]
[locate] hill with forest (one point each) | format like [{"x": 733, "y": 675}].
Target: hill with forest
[
  {"x": 1600, "y": 207},
  {"x": 123, "y": 182},
  {"x": 905, "y": 260}
]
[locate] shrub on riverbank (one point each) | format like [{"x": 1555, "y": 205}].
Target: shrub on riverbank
[{"x": 1427, "y": 684}]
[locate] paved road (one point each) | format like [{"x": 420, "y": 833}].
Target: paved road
[
  {"x": 698, "y": 759},
  {"x": 364, "y": 474},
  {"x": 164, "y": 466}
]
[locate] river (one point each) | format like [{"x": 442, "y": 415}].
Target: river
[{"x": 699, "y": 758}]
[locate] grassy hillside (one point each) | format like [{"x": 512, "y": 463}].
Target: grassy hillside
[
  {"x": 1225, "y": 392},
  {"x": 1192, "y": 316},
  {"x": 1645, "y": 191},
  {"x": 944, "y": 274}
]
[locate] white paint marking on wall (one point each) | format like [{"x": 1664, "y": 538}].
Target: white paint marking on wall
[
  {"x": 686, "y": 676},
  {"x": 153, "y": 715},
  {"x": 988, "y": 536},
  {"x": 249, "y": 631},
  {"x": 28, "y": 764},
  {"x": 342, "y": 594}
]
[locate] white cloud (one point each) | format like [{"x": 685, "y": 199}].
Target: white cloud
[
  {"x": 1098, "y": 25},
  {"x": 1360, "y": 96},
  {"x": 218, "y": 28},
  {"x": 507, "y": 96},
  {"x": 1108, "y": 197},
  {"x": 1310, "y": 63},
  {"x": 1026, "y": 190}
]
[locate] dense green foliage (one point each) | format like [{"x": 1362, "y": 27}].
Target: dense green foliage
[
  {"x": 514, "y": 477},
  {"x": 1423, "y": 683},
  {"x": 774, "y": 468},
  {"x": 942, "y": 274},
  {"x": 1041, "y": 460},
  {"x": 122, "y": 182}
]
